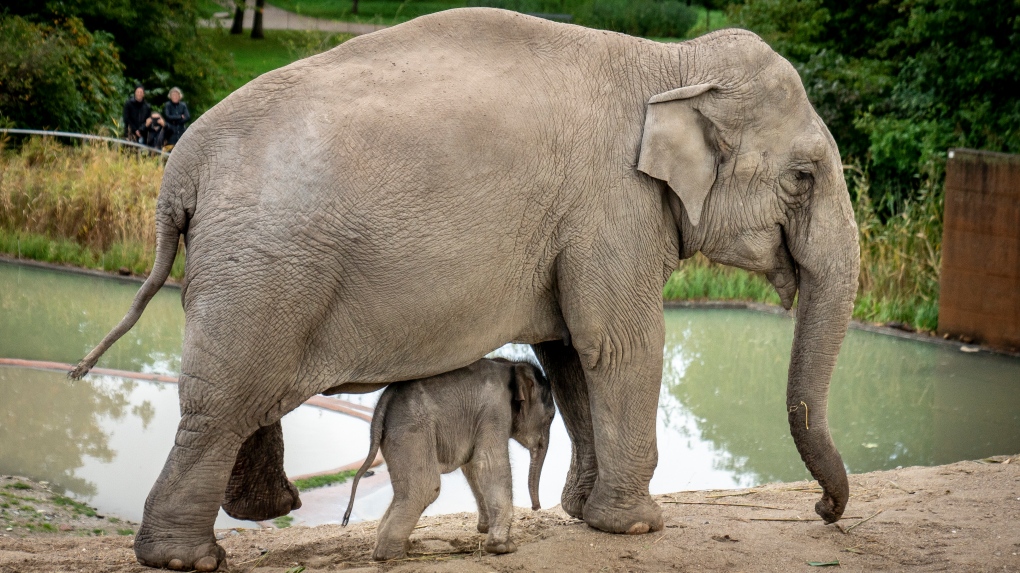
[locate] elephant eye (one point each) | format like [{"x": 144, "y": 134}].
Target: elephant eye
[{"x": 805, "y": 176}]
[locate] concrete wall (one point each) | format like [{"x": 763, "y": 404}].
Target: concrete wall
[{"x": 980, "y": 280}]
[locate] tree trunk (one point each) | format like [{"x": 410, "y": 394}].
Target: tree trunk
[
  {"x": 256, "y": 26},
  {"x": 354, "y": 10},
  {"x": 238, "y": 25}
]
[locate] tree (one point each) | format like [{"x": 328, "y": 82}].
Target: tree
[
  {"x": 900, "y": 81},
  {"x": 58, "y": 75},
  {"x": 237, "y": 27},
  {"x": 158, "y": 41},
  {"x": 256, "y": 26},
  {"x": 354, "y": 10}
]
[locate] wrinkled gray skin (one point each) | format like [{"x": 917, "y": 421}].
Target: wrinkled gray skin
[
  {"x": 401, "y": 205},
  {"x": 463, "y": 419}
]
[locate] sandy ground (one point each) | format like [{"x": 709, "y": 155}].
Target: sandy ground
[{"x": 960, "y": 517}]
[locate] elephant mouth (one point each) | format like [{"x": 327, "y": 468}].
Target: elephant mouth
[{"x": 784, "y": 276}]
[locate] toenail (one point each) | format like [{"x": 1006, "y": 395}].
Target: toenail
[
  {"x": 638, "y": 528},
  {"x": 175, "y": 564},
  {"x": 207, "y": 563}
]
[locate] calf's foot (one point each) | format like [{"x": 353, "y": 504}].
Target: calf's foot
[
  {"x": 500, "y": 547},
  {"x": 384, "y": 551}
]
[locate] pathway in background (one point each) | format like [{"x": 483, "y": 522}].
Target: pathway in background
[{"x": 274, "y": 18}]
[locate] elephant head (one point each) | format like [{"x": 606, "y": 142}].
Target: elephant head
[
  {"x": 533, "y": 415},
  {"x": 757, "y": 183}
]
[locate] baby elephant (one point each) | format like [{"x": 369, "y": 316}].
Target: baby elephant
[{"x": 461, "y": 419}]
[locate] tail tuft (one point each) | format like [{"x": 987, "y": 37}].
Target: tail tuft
[{"x": 83, "y": 367}]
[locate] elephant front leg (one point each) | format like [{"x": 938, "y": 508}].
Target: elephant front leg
[
  {"x": 483, "y": 513},
  {"x": 491, "y": 474},
  {"x": 624, "y": 389},
  {"x": 570, "y": 389},
  {"x": 258, "y": 487}
]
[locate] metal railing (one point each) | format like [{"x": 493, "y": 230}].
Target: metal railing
[{"x": 85, "y": 136}]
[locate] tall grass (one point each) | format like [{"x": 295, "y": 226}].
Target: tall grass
[
  {"x": 89, "y": 205},
  {"x": 900, "y": 257}
]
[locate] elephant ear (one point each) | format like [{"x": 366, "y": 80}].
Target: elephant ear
[
  {"x": 526, "y": 385},
  {"x": 676, "y": 146}
]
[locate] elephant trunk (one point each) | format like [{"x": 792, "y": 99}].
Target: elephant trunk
[
  {"x": 535, "y": 471},
  {"x": 828, "y": 268}
]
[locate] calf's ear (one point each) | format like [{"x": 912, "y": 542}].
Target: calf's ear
[
  {"x": 676, "y": 146},
  {"x": 524, "y": 379}
]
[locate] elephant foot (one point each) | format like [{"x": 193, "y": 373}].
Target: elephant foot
[
  {"x": 572, "y": 501},
  {"x": 170, "y": 553},
  {"x": 258, "y": 488},
  {"x": 500, "y": 547},
  {"x": 262, "y": 503},
  {"x": 617, "y": 514},
  {"x": 387, "y": 551}
]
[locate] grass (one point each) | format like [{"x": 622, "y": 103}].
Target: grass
[
  {"x": 18, "y": 485},
  {"x": 369, "y": 11},
  {"x": 247, "y": 59},
  {"x": 125, "y": 532},
  {"x": 90, "y": 206},
  {"x": 323, "y": 481},
  {"x": 392, "y": 12},
  {"x": 699, "y": 279},
  {"x": 283, "y": 522},
  {"x": 75, "y": 506}
]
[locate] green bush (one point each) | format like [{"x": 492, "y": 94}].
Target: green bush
[
  {"x": 58, "y": 76},
  {"x": 158, "y": 42},
  {"x": 655, "y": 18}
]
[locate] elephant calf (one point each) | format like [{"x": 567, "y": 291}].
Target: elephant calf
[{"x": 461, "y": 419}]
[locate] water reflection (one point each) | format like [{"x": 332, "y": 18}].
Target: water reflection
[
  {"x": 47, "y": 430},
  {"x": 105, "y": 438},
  {"x": 49, "y": 315},
  {"x": 721, "y": 420},
  {"x": 892, "y": 402}
]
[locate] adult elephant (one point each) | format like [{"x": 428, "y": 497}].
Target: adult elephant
[{"x": 401, "y": 205}]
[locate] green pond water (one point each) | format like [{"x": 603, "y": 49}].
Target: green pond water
[{"x": 721, "y": 420}]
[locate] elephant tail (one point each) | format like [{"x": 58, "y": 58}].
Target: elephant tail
[
  {"x": 171, "y": 221},
  {"x": 376, "y": 434}
]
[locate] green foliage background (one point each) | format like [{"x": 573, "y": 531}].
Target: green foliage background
[
  {"x": 77, "y": 58},
  {"x": 899, "y": 82},
  {"x": 58, "y": 75}
]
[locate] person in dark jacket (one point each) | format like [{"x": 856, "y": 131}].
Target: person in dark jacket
[
  {"x": 176, "y": 114},
  {"x": 136, "y": 113},
  {"x": 155, "y": 131}
]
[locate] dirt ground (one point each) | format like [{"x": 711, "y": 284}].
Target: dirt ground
[{"x": 960, "y": 517}]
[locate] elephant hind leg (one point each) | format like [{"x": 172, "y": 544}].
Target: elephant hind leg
[
  {"x": 180, "y": 511},
  {"x": 415, "y": 476},
  {"x": 258, "y": 488},
  {"x": 570, "y": 389}
]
